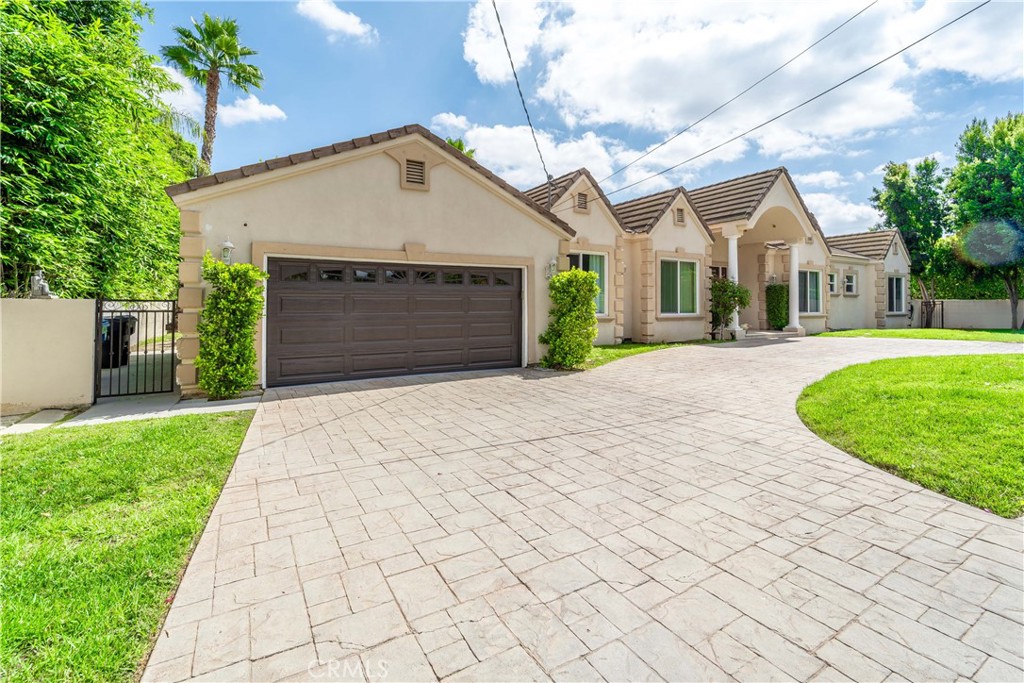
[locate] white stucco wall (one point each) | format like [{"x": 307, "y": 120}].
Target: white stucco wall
[
  {"x": 354, "y": 202},
  {"x": 48, "y": 354},
  {"x": 970, "y": 314},
  {"x": 896, "y": 263},
  {"x": 852, "y": 311}
]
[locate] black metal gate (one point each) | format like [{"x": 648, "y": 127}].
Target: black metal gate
[
  {"x": 135, "y": 347},
  {"x": 932, "y": 314}
]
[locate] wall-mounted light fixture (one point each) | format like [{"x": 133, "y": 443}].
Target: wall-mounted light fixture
[
  {"x": 226, "y": 248},
  {"x": 552, "y": 268}
]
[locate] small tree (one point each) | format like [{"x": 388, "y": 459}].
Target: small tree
[
  {"x": 727, "y": 296},
  {"x": 227, "y": 353},
  {"x": 573, "y": 328},
  {"x": 776, "y": 303},
  {"x": 988, "y": 194}
]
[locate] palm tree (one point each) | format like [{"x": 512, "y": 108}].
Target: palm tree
[
  {"x": 202, "y": 56},
  {"x": 460, "y": 145}
]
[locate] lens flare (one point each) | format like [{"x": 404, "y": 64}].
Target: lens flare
[{"x": 994, "y": 243}]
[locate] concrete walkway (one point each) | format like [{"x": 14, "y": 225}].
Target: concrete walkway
[
  {"x": 152, "y": 406},
  {"x": 667, "y": 516}
]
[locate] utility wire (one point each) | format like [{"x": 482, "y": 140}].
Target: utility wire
[
  {"x": 802, "y": 104},
  {"x": 739, "y": 95},
  {"x": 522, "y": 99}
]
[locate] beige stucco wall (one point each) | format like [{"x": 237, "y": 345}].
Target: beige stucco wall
[
  {"x": 47, "y": 355},
  {"x": 689, "y": 242},
  {"x": 632, "y": 298},
  {"x": 852, "y": 311},
  {"x": 352, "y": 206},
  {"x": 971, "y": 314},
  {"x": 598, "y": 232},
  {"x": 896, "y": 263}
]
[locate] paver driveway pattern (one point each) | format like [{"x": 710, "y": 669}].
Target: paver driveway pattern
[{"x": 666, "y": 516}]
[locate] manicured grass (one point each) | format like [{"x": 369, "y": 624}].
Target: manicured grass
[
  {"x": 917, "y": 333},
  {"x": 601, "y": 355},
  {"x": 951, "y": 424},
  {"x": 97, "y": 524}
]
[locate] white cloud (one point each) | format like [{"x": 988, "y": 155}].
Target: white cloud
[
  {"x": 483, "y": 46},
  {"x": 336, "y": 21},
  {"x": 249, "y": 110},
  {"x": 826, "y": 179},
  {"x": 838, "y": 215},
  {"x": 187, "y": 100},
  {"x": 659, "y": 67},
  {"x": 940, "y": 157},
  {"x": 449, "y": 123}
]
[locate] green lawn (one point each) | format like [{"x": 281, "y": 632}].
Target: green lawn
[
  {"x": 97, "y": 524},
  {"x": 951, "y": 424},
  {"x": 601, "y": 355},
  {"x": 917, "y": 333}
]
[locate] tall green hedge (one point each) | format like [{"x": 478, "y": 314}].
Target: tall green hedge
[
  {"x": 776, "y": 301},
  {"x": 573, "y": 327},
  {"x": 227, "y": 329}
]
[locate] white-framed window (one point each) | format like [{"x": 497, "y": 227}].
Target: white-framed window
[
  {"x": 810, "y": 291},
  {"x": 594, "y": 263},
  {"x": 719, "y": 271},
  {"x": 679, "y": 287},
  {"x": 832, "y": 283},
  {"x": 896, "y": 294},
  {"x": 850, "y": 283}
]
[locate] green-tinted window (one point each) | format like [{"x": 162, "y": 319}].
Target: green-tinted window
[
  {"x": 594, "y": 263},
  {"x": 678, "y": 287}
]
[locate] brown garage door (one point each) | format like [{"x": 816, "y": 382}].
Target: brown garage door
[{"x": 335, "y": 320}]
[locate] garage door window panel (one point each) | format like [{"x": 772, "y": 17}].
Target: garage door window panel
[{"x": 364, "y": 276}]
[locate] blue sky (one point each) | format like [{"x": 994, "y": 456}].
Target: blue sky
[{"x": 606, "y": 81}]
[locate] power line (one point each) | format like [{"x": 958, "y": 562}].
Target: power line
[
  {"x": 802, "y": 104},
  {"x": 739, "y": 95},
  {"x": 521, "y": 98}
]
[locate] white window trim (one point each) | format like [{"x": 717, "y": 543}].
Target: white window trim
[
  {"x": 821, "y": 303},
  {"x": 696, "y": 286},
  {"x": 903, "y": 294},
  {"x": 604, "y": 293},
  {"x": 833, "y": 283},
  {"x": 846, "y": 288}
]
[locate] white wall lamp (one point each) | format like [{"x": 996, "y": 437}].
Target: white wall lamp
[
  {"x": 226, "y": 248},
  {"x": 552, "y": 268}
]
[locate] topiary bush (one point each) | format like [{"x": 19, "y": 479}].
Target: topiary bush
[
  {"x": 726, "y": 297},
  {"x": 573, "y": 328},
  {"x": 227, "y": 354},
  {"x": 776, "y": 303}
]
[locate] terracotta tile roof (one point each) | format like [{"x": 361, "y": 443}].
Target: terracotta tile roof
[
  {"x": 641, "y": 214},
  {"x": 358, "y": 143},
  {"x": 562, "y": 184},
  {"x": 738, "y": 199},
  {"x": 873, "y": 245}
]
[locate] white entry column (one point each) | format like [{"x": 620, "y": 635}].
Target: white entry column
[
  {"x": 734, "y": 275},
  {"x": 794, "y": 290}
]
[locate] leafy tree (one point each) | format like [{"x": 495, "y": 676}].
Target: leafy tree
[
  {"x": 203, "y": 56},
  {"x": 912, "y": 202},
  {"x": 726, "y": 297},
  {"x": 87, "y": 152},
  {"x": 459, "y": 144},
  {"x": 987, "y": 190}
]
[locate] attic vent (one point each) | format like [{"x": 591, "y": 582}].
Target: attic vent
[
  {"x": 681, "y": 216},
  {"x": 581, "y": 201},
  {"x": 415, "y": 172}
]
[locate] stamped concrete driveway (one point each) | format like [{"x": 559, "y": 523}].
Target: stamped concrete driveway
[{"x": 667, "y": 516}]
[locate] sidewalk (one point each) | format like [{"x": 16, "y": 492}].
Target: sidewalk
[{"x": 154, "y": 406}]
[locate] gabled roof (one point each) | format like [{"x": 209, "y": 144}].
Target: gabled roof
[
  {"x": 836, "y": 251},
  {"x": 640, "y": 215},
  {"x": 561, "y": 185},
  {"x": 874, "y": 244},
  {"x": 737, "y": 199},
  {"x": 358, "y": 143}
]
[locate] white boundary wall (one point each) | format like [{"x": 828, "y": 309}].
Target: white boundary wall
[
  {"x": 970, "y": 314},
  {"x": 47, "y": 354}
]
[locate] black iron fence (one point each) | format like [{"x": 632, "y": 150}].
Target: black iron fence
[
  {"x": 932, "y": 314},
  {"x": 135, "y": 347}
]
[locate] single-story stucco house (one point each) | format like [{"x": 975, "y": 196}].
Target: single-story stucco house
[
  {"x": 869, "y": 280},
  {"x": 396, "y": 254}
]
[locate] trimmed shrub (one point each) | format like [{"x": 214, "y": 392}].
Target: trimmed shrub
[
  {"x": 726, "y": 297},
  {"x": 227, "y": 353},
  {"x": 776, "y": 303},
  {"x": 573, "y": 327}
]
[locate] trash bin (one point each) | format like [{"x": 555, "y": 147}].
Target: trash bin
[{"x": 116, "y": 340}]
